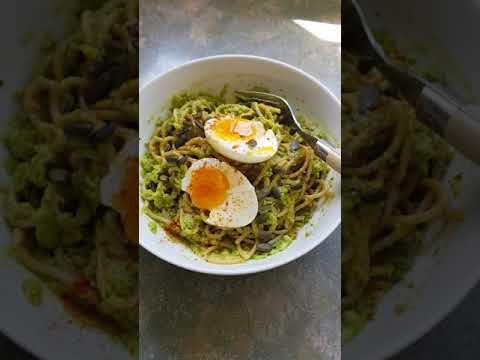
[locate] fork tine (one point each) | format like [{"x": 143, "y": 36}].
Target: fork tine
[
  {"x": 260, "y": 97},
  {"x": 258, "y": 94},
  {"x": 264, "y": 101}
]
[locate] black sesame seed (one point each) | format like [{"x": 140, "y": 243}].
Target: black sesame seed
[
  {"x": 265, "y": 208},
  {"x": 103, "y": 133},
  {"x": 277, "y": 170},
  {"x": 265, "y": 236},
  {"x": 295, "y": 167},
  {"x": 171, "y": 158},
  {"x": 264, "y": 248},
  {"x": 294, "y": 145},
  {"x": 261, "y": 218},
  {"x": 78, "y": 128},
  {"x": 248, "y": 116},
  {"x": 262, "y": 194},
  {"x": 276, "y": 193},
  {"x": 182, "y": 138},
  {"x": 252, "y": 143},
  {"x": 182, "y": 160},
  {"x": 368, "y": 98},
  {"x": 296, "y": 186},
  {"x": 198, "y": 124}
]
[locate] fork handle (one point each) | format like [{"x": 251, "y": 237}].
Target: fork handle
[
  {"x": 330, "y": 155},
  {"x": 447, "y": 118}
]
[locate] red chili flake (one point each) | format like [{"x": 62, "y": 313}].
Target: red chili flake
[
  {"x": 81, "y": 286},
  {"x": 70, "y": 306},
  {"x": 172, "y": 227}
]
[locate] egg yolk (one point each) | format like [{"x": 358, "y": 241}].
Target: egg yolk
[
  {"x": 264, "y": 150},
  {"x": 234, "y": 129},
  {"x": 208, "y": 188},
  {"x": 127, "y": 200}
]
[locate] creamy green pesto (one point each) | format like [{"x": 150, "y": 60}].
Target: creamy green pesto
[{"x": 181, "y": 142}]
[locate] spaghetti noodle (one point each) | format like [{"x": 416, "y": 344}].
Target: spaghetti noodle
[{"x": 288, "y": 186}]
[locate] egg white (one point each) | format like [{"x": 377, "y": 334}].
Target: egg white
[
  {"x": 266, "y": 144},
  {"x": 241, "y": 204},
  {"x": 112, "y": 183}
]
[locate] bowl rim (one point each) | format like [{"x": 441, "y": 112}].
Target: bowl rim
[
  {"x": 228, "y": 271},
  {"x": 404, "y": 341}
]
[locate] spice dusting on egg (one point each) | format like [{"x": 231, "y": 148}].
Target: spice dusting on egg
[
  {"x": 224, "y": 191},
  {"x": 127, "y": 199},
  {"x": 119, "y": 188}
]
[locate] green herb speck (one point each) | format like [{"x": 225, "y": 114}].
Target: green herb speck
[
  {"x": 456, "y": 184},
  {"x": 152, "y": 225},
  {"x": 401, "y": 308},
  {"x": 32, "y": 289}
]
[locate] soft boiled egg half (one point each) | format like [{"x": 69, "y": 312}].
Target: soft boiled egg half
[
  {"x": 240, "y": 139},
  {"x": 228, "y": 195},
  {"x": 119, "y": 188}
]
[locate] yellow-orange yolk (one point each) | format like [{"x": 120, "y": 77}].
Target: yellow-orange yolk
[
  {"x": 208, "y": 188},
  {"x": 265, "y": 149},
  {"x": 234, "y": 129},
  {"x": 127, "y": 200}
]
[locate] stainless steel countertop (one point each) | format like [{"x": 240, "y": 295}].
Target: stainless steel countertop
[{"x": 292, "y": 312}]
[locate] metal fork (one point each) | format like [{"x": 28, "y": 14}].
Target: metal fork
[
  {"x": 321, "y": 147},
  {"x": 441, "y": 113}
]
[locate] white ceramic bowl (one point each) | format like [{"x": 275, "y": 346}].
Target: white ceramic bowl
[{"x": 241, "y": 72}]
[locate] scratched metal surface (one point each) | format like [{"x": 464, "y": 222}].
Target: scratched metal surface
[{"x": 292, "y": 312}]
